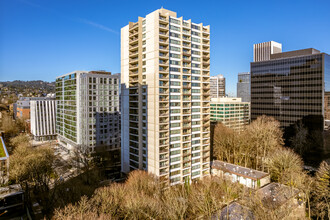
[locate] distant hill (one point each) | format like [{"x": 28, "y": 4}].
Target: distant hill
[{"x": 18, "y": 85}]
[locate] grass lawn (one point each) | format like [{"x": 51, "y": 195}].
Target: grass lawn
[{"x": 2, "y": 150}]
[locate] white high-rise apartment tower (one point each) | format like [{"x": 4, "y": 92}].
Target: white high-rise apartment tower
[
  {"x": 165, "y": 67},
  {"x": 262, "y": 51},
  {"x": 87, "y": 110}
]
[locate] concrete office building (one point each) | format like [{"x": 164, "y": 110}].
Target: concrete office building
[
  {"x": 87, "y": 110},
  {"x": 231, "y": 112},
  {"x": 244, "y": 87},
  {"x": 263, "y": 51},
  {"x": 165, "y": 64},
  {"x": 217, "y": 86},
  {"x": 291, "y": 87},
  {"x": 42, "y": 118}
]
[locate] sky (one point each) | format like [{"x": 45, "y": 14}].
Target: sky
[{"x": 42, "y": 39}]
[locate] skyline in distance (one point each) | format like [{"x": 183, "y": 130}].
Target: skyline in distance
[{"x": 42, "y": 40}]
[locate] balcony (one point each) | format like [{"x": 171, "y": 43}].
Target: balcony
[
  {"x": 133, "y": 40},
  {"x": 134, "y": 54},
  {"x": 206, "y": 154},
  {"x": 163, "y": 91},
  {"x": 186, "y": 31},
  {"x": 186, "y": 105},
  {"x": 163, "y": 27},
  {"x": 163, "y": 34},
  {"x": 163, "y": 127},
  {"x": 186, "y": 126},
  {"x": 162, "y": 165},
  {"x": 133, "y": 66},
  {"x": 163, "y": 99},
  {"x": 187, "y": 159},
  {"x": 163, "y": 106},
  {"x": 163, "y": 149},
  {"x": 163, "y": 69},
  {"x": 184, "y": 44},
  {"x": 163, "y": 172},
  {"x": 133, "y": 47},
  {"x": 186, "y": 131},
  {"x": 186, "y": 53},
  {"x": 163, "y": 157},
  {"x": 163, "y": 48},
  {"x": 163, "y": 142},
  {"x": 206, "y": 86},
  {"x": 206, "y": 35},
  {"x": 186, "y": 111},
  {"x": 163, "y": 20},
  {"x": 163, "y": 121},
  {"x": 163, "y": 63}
]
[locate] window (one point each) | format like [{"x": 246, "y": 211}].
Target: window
[
  {"x": 196, "y": 59},
  {"x": 196, "y": 71},
  {"x": 173, "y": 62},
  {"x": 174, "y": 125},
  {"x": 175, "y": 42},
  {"x": 174, "y": 69},
  {"x": 195, "y": 52},
  {"x": 175, "y": 35},
  {"x": 193, "y": 39},
  {"x": 174, "y": 28},
  {"x": 195, "y": 27},
  {"x": 175, "y": 48},
  {"x": 175, "y": 55},
  {"x": 174, "y": 21},
  {"x": 175, "y": 97},
  {"x": 173, "y": 76},
  {"x": 195, "y": 33},
  {"x": 195, "y": 46}
]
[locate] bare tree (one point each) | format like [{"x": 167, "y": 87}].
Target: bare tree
[
  {"x": 322, "y": 191},
  {"x": 33, "y": 169},
  {"x": 299, "y": 141},
  {"x": 282, "y": 164}
]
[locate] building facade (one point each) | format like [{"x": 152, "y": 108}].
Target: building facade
[
  {"x": 231, "y": 112},
  {"x": 291, "y": 87},
  {"x": 165, "y": 67},
  {"x": 263, "y": 51},
  {"x": 23, "y": 108},
  {"x": 87, "y": 110},
  {"x": 244, "y": 87},
  {"x": 42, "y": 119},
  {"x": 217, "y": 86}
]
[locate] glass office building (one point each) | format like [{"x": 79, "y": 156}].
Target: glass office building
[{"x": 291, "y": 87}]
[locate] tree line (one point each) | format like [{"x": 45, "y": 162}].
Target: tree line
[{"x": 260, "y": 146}]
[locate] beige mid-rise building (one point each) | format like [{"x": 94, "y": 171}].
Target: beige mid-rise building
[
  {"x": 231, "y": 112},
  {"x": 165, "y": 73}
]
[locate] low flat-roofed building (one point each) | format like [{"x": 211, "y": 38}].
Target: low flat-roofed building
[
  {"x": 234, "y": 211},
  {"x": 249, "y": 177},
  {"x": 276, "y": 196},
  {"x": 12, "y": 202},
  {"x": 4, "y": 162}
]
